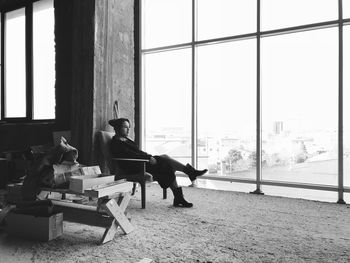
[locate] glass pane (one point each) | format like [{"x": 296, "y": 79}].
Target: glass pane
[
  {"x": 222, "y": 18},
  {"x": 346, "y": 8},
  {"x": 323, "y": 196},
  {"x": 300, "y": 107},
  {"x": 167, "y": 86},
  {"x": 15, "y": 73},
  {"x": 287, "y": 13},
  {"x": 227, "y": 108},
  {"x": 43, "y": 60},
  {"x": 166, "y": 22},
  {"x": 346, "y": 105}
]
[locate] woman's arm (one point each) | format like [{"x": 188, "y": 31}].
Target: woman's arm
[{"x": 127, "y": 149}]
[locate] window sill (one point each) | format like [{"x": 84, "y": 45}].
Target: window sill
[{"x": 26, "y": 123}]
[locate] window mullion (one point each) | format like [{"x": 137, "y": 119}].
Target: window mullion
[
  {"x": 29, "y": 61},
  {"x": 194, "y": 134},
  {"x": 340, "y": 109},
  {"x": 2, "y": 109}
]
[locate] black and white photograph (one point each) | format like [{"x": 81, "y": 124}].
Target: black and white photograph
[{"x": 166, "y": 131}]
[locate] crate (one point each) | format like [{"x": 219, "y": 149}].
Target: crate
[{"x": 34, "y": 227}]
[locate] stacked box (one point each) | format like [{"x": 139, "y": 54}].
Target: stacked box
[
  {"x": 35, "y": 227},
  {"x": 86, "y": 170},
  {"x": 62, "y": 172},
  {"x": 79, "y": 184}
]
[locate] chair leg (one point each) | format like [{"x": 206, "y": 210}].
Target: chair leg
[
  {"x": 133, "y": 189},
  {"x": 164, "y": 193},
  {"x": 143, "y": 194}
]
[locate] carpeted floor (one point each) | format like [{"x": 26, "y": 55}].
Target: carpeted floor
[{"x": 221, "y": 227}]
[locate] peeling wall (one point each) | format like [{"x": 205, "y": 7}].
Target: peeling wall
[
  {"x": 114, "y": 61},
  {"x": 114, "y": 65}
]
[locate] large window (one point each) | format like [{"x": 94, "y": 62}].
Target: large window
[
  {"x": 15, "y": 64},
  {"x": 253, "y": 89},
  {"x": 167, "y": 82},
  {"x": 226, "y": 108},
  {"x": 43, "y": 60},
  {"x": 299, "y": 106},
  {"x": 28, "y": 63}
]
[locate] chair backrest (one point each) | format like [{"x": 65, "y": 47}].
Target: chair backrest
[{"x": 104, "y": 140}]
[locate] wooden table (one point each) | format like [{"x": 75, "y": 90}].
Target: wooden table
[{"x": 109, "y": 213}]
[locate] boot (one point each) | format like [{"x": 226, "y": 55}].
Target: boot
[
  {"x": 194, "y": 183},
  {"x": 192, "y": 172},
  {"x": 179, "y": 200}
]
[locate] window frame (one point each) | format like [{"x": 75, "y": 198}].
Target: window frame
[
  {"x": 28, "y": 6},
  {"x": 258, "y": 34}
]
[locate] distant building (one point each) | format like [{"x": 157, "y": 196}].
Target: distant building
[{"x": 277, "y": 127}]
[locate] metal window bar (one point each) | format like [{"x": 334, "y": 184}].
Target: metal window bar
[
  {"x": 340, "y": 110},
  {"x": 194, "y": 134},
  {"x": 258, "y": 106}
]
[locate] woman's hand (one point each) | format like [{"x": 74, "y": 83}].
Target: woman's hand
[{"x": 152, "y": 160}]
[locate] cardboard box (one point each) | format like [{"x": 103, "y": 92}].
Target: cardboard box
[
  {"x": 90, "y": 170},
  {"x": 35, "y": 227},
  {"x": 79, "y": 184},
  {"x": 75, "y": 170},
  {"x": 62, "y": 172}
]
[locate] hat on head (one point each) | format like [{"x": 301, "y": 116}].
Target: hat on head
[{"x": 116, "y": 123}]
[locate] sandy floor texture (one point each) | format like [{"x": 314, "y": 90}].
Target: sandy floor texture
[{"x": 221, "y": 227}]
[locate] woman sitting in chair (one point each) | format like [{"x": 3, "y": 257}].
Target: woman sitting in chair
[{"x": 161, "y": 167}]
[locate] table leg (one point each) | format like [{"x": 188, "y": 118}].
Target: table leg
[
  {"x": 120, "y": 219},
  {"x": 5, "y": 211}
]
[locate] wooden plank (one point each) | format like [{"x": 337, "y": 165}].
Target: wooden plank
[
  {"x": 59, "y": 190},
  {"x": 5, "y": 211},
  {"x": 95, "y": 187},
  {"x": 110, "y": 232},
  {"x": 78, "y": 184},
  {"x": 109, "y": 190},
  {"x": 130, "y": 160},
  {"x": 74, "y": 205},
  {"x": 124, "y": 201},
  {"x": 115, "y": 211},
  {"x": 67, "y": 191},
  {"x": 87, "y": 217}
]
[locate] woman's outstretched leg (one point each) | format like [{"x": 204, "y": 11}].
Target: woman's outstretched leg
[
  {"x": 179, "y": 200},
  {"x": 187, "y": 169},
  {"x": 176, "y": 165}
]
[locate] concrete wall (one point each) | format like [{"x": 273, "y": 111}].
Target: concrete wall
[{"x": 114, "y": 66}]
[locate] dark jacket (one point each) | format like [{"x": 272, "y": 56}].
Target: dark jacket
[{"x": 161, "y": 171}]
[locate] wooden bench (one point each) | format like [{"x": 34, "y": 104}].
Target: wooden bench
[{"x": 112, "y": 200}]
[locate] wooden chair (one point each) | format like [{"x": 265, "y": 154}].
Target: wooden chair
[{"x": 110, "y": 163}]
